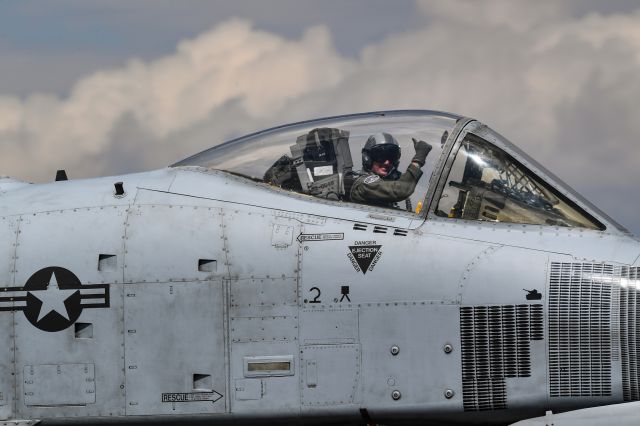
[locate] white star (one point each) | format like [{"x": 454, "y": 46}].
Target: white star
[{"x": 53, "y": 299}]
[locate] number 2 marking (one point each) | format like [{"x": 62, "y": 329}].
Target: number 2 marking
[{"x": 315, "y": 299}]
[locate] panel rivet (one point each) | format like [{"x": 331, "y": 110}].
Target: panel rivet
[
  {"x": 447, "y": 348},
  {"x": 395, "y": 350},
  {"x": 449, "y": 394},
  {"x": 396, "y": 395}
]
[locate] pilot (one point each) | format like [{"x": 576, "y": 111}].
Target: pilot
[{"x": 380, "y": 182}]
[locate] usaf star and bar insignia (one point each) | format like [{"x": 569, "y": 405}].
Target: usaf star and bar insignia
[{"x": 53, "y": 298}]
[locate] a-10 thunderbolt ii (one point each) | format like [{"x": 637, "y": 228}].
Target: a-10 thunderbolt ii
[{"x": 223, "y": 289}]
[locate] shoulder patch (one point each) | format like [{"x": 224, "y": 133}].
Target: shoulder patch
[{"x": 371, "y": 179}]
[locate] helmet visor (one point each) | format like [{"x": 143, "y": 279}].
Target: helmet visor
[{"x": 382, "y": 153}]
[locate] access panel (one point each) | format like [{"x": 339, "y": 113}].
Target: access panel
[
  {"x": 174, "y": 345},
  {"x": 71, "y": 319}
]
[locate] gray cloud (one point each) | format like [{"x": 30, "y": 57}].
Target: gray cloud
[
  {"x": 25, "y": 73},
  {"x": 233, "y": 62},
  {"x": 560, "y": 84},
  {"x": 48, "y": 46}
]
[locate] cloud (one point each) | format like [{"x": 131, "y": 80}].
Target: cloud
[
  {"x": 562, "y": 86},
  {"x": 232, "y": 62},
  {"x": 517, "y": 15}
]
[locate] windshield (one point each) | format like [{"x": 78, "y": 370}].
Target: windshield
[
  {"x": 317, "y": 157},
  {"x": 494, "y": 137},
  {"x": 487, "y": 184}
]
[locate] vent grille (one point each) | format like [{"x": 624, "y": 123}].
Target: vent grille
[
  {"x": 359, "y": 227},
  {"x": 580, "y": 296},
  {"x": 629, "y": 329},
  {"x": 400, "y": 232},
  {"x": 495, "y": 344},
  {"x": 379, "y": 230}
]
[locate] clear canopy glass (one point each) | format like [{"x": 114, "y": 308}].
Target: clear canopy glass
[
  {"x": 318, "y": 153},
  {"x": 485, "y": 183},
  {"x": 269, "y": 156}
]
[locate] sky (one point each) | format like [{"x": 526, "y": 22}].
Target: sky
[{"x": 109, "y": 87}]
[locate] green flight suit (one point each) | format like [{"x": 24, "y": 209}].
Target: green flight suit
[{"x": 372, "y": 189}]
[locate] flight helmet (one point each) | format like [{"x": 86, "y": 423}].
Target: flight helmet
[{"x": 380, "y": 147}]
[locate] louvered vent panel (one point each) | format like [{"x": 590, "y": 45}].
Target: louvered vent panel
[
  {"x": 580, "y": 297},
  {"x": 495, "y": 343},
  {"x": 379, "y": 229},
  {"x": 629, "y": 328}
]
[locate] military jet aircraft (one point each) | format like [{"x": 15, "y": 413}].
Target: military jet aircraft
[{"x": 224, "y": 289}]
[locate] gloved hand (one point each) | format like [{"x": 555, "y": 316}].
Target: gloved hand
[{"x": 422, "y": 150}]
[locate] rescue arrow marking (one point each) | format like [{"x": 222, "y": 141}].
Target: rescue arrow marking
[
  {"x": 212, "y": 396},
  {"x": 320, "y": 237}
]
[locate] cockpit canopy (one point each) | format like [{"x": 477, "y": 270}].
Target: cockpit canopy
[
  {"x": 329, "y": 148},
  {"x": 471, "y": 173}
]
